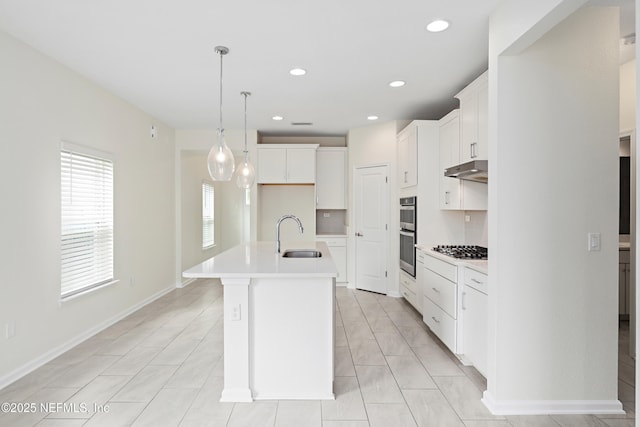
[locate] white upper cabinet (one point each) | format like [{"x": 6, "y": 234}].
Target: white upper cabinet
[
  {"x": 408, "y": 156},
  {"x": 474, "y": 104},
  {"x": 449, "y": 156},
  {"x": 287, "y": 164},
  {"x": 331, "y": 178}
]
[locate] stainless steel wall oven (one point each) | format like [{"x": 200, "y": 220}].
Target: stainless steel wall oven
[{"x": 408, "y": 235}]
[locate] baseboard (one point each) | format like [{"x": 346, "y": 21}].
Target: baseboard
[
  {"x": 394, "y": 294},
  {"x": 547, "y": 407},
  {"x": 186, "y": 283},
  {"x": 236, "y": 395},
  {"x": 34, "y": 364}
]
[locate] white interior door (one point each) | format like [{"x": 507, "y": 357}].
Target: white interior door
[{"x": 371, "y": 228}]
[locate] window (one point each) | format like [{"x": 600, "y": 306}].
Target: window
[
  {"x": 87, "y": 219},
  {"x": 207, "y": 216}
]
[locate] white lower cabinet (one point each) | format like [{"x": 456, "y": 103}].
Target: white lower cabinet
[
  {"x": 455, "y": 308},
  {"x": 474, "y": 313},
  {"x": 409, "y": 289},
  {"x": 338, "y": 248},
  {"x": 624, "y": 273},
  {"x": 439, "y": 303}
]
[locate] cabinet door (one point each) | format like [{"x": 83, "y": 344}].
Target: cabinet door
[
  {"x": 301, "y": 165},
  {"x": 474, "y": 329},
  {"x": 408, "y": 157},
  {"x": 339, "y": 254},
  {"x": 623, "y": 304},
  {"x": 474, "y": 105},
  {"x": 272, "y": 165},
  {"x": 331, "y": 179},
  {"x": 449, "y": 156},
  {"x": 483, "y": 123},
  {"x": 419, "y": 279}
]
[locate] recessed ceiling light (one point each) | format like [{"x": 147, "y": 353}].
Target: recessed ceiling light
[
  {"x": 297, "y": 71},
  {"x": 397, "y": 83},
  {"x": 372, "y": 118},
  {"x": 437, "y": 26},
  {"x": 277, "y": 118}
]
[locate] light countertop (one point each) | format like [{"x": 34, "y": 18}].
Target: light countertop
[
  {"x": 259, "y": 259},
  {"x": 481, "y": 266}
]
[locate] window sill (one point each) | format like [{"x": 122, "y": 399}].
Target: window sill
[
  {"x": 87, "y": 291},
  {"x": 208, "y": 248}
]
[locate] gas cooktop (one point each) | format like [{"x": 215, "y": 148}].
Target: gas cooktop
[{"x": 463, "y": 251}]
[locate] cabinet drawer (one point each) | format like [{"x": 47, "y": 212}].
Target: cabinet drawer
[
  {"x": 440, "y": 291},
  {"x": 408, "y": 282},
  {"x": 624, "y": 256},
  {"x": 440, "y": 323},
  {"x": 446, "y": 270},
  {"x": 334, "y": 242},
  {"x": 409, "y": 295},
  {"x": 476, "y": 280}
]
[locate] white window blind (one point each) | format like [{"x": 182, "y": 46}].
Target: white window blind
[
  {"x": 87, "y": 219},
  {"x": 207, "y": 215}
]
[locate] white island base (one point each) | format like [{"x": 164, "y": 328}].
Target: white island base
[{"x": 278, "y": 323}]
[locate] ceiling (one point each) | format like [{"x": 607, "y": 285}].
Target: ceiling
[{"x": 159, "y": 55}]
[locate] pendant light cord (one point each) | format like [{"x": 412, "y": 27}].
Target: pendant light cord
[
  {"x": 221, "y": 50},
  {"x": 246, "y": 151},
  {"x": 221, "y": 56}
]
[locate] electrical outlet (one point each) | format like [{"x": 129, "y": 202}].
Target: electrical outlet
[
  {"x": 236, "y": 312},
  {"x": 467, "y": 218},
  {"x": 153, "y": 131},
  {"x": 326, "y": 215},
  {"x": 132, "y": 281},
  {"x": 10, "y": 329}
]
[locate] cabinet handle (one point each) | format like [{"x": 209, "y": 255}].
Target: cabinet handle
[
  {"x": 476, "y": 281},
  {"x": 462, "y": 301},
  {"x": 435, "y": 289},
  {"x": 434, "y": 319},
  {"x": 474, "y": 154},
  {"x": 405, "y": 177}
]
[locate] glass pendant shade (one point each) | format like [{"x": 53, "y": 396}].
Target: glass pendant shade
[
  {"x": 220, "y": 161},
  {"x": 246, "y": 174}
]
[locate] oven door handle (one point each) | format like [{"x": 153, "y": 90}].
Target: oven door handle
[{"x": 407, "y": 233}]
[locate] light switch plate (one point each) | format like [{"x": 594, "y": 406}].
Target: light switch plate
[{"x": 594, "y": 242}]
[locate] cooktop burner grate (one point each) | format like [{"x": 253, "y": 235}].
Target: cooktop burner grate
[{"x": 463, "y": 251}]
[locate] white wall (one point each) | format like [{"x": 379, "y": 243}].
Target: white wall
[
  {"x": 235, "y": 221},
  {"x": 376, "y": 144},
  {"x": 553, "y": 114},
  {"x": 229, "y": 207},
  {"x": 43, "y": 103},
  {"x": 628, "y": 96},
  {"x": 275, "y": 201}
]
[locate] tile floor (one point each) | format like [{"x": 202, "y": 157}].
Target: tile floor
[{"x": 162, "y": 366}]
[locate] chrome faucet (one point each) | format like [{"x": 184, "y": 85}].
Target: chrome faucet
[{"x": 282, "y": 218}]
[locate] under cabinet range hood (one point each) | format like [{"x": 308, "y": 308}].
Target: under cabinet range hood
[{"x": 475, "y": 170}]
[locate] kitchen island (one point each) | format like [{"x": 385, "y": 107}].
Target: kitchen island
[{"x": 279, "y": 321}]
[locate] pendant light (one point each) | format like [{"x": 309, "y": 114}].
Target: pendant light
[
  {"x": 246, "y": 174},
  {"x": 220, "y": 161}
]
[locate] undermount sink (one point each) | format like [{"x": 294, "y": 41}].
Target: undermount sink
[{"x": 302, "y": 253}]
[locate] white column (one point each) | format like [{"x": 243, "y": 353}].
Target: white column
[{"x": 236, "y": 341}]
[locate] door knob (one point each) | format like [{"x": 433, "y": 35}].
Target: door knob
[{"x": 359, "y": 234}]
